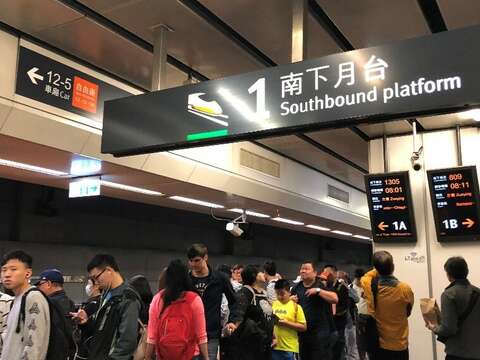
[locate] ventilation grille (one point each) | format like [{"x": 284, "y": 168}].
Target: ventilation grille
[
  {"x": 259, "y": 163},
  {"x": 338, "y": 194}
]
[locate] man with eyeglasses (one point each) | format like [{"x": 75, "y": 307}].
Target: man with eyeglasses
[{"x": 115, "y": 324}]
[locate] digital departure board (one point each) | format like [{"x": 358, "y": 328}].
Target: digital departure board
[
  {"x": 391, "y": 210},
  {"x": 454, "y": 194}
]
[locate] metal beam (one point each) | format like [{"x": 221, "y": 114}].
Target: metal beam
[
  {"x": 120, "y": 31},
  {"x": 332, "y": 153},
  {"x": 329, "y": 26},
  {"x": 364, "y": 136},
  {"x": 279, "y": 153},
  {"x": 420, "y": 127},
  {"x": 299, "y": 29},
  {"x": 433, "y": 16},
  {"x": 203, "y": 12},
  {"x": 159, "y": 65}
]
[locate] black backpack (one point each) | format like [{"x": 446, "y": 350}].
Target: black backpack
[{"x": 60, "y": 343}]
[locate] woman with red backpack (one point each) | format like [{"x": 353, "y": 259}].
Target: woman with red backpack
[{"x": 176, "y": 328}]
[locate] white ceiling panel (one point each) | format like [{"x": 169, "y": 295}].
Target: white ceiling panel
[
  {"x": 388, "y": 128},
  {"x": 460, "y": 13},
  {"x": 107, "y": 50},
  {"x": 194, "y": 41},
  {"x": 345, "y": 143},
  {"x": 298, "y": 149},
  {"x": 445, "y": 121},
  {"x": 267, "y": 24},
  {"x": 374, "y": 22}
]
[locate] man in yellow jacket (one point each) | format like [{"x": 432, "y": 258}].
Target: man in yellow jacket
[{"x": 394, "y": 302}]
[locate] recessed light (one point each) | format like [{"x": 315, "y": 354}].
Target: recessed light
[
  {"x": 288, "y": 221},
  {"x": 321, "y": 228},
  {"x": 341, "y": 232},
  {"x": 196, "y": 202},
  {"x": 130, "y": 188},
  {"x": 249, "y": 212},
  {"x": 362, "y": 237},
  {"x": 28, "y": 167}
]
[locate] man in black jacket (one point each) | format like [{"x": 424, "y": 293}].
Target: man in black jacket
[
  {"x": 115, "y": 325},
  {"x": 211, "y": 285}
]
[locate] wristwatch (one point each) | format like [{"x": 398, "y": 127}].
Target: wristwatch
[{"x": 318, "y": 290}]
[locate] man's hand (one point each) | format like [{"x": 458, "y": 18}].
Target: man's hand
[
  {"x": 80, "y": 316},
  {"x": 312, "y": 292},
  {"x": 294, "y": 298},
  {"x": 430, "y": 326},
  {"x": 231, "y": 327}
]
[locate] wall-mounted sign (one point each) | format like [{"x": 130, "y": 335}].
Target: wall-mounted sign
[
  {"x": 391, "y": 210},
  {"x": 84, "y": 187},
  {"x": 433, "y": 74},
  {"x": 53, "y": 83},
  {"x": 455, "y": 202}
]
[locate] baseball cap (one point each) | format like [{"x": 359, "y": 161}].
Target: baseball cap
[{"x": 53, "y": 275}]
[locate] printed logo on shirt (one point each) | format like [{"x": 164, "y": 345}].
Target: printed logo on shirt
[{"x": 200, "y": 287}]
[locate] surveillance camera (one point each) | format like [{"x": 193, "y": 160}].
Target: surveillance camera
[
  {"x": 234, "y": 229},
  {"x": 417, "y": 165}
]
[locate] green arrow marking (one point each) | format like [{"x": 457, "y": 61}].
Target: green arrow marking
[{"x": 207, "y": 135}]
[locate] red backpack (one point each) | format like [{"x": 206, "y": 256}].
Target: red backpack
[{"x": 176, "y": 332}]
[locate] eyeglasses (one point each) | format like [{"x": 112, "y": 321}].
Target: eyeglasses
[{"x": 95, "y": 277}]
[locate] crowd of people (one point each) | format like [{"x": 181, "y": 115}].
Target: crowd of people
[{"x": 237, "y": 313}]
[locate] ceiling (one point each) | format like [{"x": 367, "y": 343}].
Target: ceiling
[
  {"x": 25, "y": 152},
  {"x": 214, "y": 38}
]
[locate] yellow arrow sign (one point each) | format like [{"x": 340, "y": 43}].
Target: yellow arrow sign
[
  {"x": 382, "y": 226},
  {"x": 468, "y": 223}
]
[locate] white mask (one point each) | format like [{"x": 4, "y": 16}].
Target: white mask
[{"x": 89, "y": 289}]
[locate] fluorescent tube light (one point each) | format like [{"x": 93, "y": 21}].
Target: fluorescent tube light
[
  {"x": 321, "y": 228},
  {"x": 196, "y": 202},
  {"x": 342, "y": 232},
  {"x": 33, "y": 168},
  {"x": 470, "y": 114},
  {"x": 361, "y": 237},
  {"x": 130, "y": 188},
  {"x": 251, "y": 213},
  {"x": 288, "y": 221}
]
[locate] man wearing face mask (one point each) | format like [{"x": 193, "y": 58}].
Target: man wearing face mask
[
  {"x": 115, "y": 324},
  {"x": 90, "y": 307}
]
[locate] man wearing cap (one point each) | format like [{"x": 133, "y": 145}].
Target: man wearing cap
[{"x": 50, "y": 282}]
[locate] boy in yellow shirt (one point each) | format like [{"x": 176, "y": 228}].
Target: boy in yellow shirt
[{"x": 289, "y": 320}]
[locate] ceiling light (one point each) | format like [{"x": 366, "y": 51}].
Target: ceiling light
[
  {"x": 341, "y": 232},
  {"x": 470, "y": 114},
  {"x": 288, "y": 221},
  {"x": 362, "y": 237},
  {"x": 251, "y": 213},
  {"x": 196, "y": 202},
  {"x": 129, "y": 188},
  {"x": 321, "y": 228},
  {"x": 33, "y": 168}
]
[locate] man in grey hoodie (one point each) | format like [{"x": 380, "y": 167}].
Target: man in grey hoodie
[{"x": 460, "y": 314}]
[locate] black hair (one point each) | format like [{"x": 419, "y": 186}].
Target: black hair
[
  {"x": 249, "y": 275},
  {"x": 270, "y": 267},
  {"x": 383, "y": 262},
  {"x": 311, "y": 262},
  {"x": 330, "y": 266},
  {"x": 19, "y": 255},
  {"x": 457, "y": 268},
  {"x": 141, "y": 285},
  {"x": 225, "y": 269},
  {"x": 282, "y": 284},
  {"x": 238, "y": 267},
  {"x": 177, "y": 281},
  {"x": 359, "y": 273},
  {"x": 101, "y": 261},
  {"x": 197, "y": 250}
]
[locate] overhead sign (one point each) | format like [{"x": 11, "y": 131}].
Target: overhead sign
[
  {"x": 84, "y": 187},
  {"x": 455, "y": 202},
  {"x": 433, "y": 74},
  {"x": 390, "y": 204},
  {"x": 43, "y": 79}
]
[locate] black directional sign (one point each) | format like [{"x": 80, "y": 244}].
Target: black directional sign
[
  {"x": 455, "y": 202},
  {"x": 433, "y": 74},
  {"x": 51, "y": 82},
  {"x": 391, "y": 210}
]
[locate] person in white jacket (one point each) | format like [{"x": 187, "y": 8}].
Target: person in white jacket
[{"x": 29, "y": 337}]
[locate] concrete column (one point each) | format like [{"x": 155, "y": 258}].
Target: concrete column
[{"x": 299, "y": 29}]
